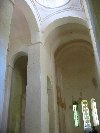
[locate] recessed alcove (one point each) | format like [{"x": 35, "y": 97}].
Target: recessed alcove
[
  {"x": 77, "y": 80},
  {"x": 76, "y": 74},
  {"x": 16, "y": 120}
]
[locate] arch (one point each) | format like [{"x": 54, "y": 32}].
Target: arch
[
  {"x": 16, "y": 56},
  {"x": 30, "y": 14},
  {"x": 76, "y": 44},
  {"x": 16, "y": 118},
  {"x": 65, "y": 34},
  {"x": 68, "y": 40},
  {"x": 68, "y": 44},
  {"x": 61, "y": 21},
  {"x": 73, "y": 62}
]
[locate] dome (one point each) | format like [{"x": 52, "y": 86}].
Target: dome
[{"x": 52, "y": 3}]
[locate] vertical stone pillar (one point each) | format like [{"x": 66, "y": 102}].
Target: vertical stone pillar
[
  {"x": 6, "y": 99},
  {"x": 6, "y": 9},
  {"x": 36, "y": 115},
  {"x": 95, "y": 39}
]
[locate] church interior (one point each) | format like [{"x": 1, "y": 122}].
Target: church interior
[{"x": 49, "y": 66}]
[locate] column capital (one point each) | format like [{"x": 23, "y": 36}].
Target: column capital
[{"x": 38, "y": 42}]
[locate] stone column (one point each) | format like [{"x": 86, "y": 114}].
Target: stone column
[
  {"x": 94, "y": 38},
  {"x": 6, "y": 99},
  {"x": 36, "y": 115},
  {"x": 6, "y": 9}
]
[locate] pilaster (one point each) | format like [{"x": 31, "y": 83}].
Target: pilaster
[
  {"x": 6, "y": 9},
  {"x": 36, "y": 118},
  {"x": 7, "y": 99},
  {"x": 94, "y": 37}
]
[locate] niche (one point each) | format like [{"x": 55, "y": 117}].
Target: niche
[{"x": 16, "y": 118}]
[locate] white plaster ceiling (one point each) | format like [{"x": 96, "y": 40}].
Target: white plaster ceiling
[
  {"x": 40, "y": 17},
  {"x": 47, "y": 15},
  {"x": 52, "y": 3}
]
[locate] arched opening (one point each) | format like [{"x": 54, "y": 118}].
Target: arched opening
[
  {"x": 76, "y": 75},
  {"x": 19, "y": 39},
  {"x": 76, "y": 79},
  {"x": 23, "y": 27},
  {"x": 16, "y": 119}
]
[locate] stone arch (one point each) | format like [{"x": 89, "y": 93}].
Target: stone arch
[
  {"x": 29, "y": 12},
  {"x": 61, "y": 21},
  {"x": 54, "y": 38},
  {"x": 10, "y": 68},
  {"x": 16, "y": 56},
  {"x": 69, "y": 70},
  {"x": 27, "y": 9},
  {"x": 82, "y": 45},
  {"x": 17, "y": 102},
  {"x": 70, "y": 39}
]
